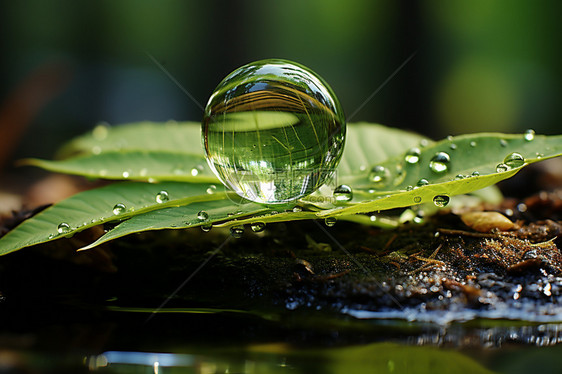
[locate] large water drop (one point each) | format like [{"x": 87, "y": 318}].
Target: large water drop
[{"x": 273, "y": 131}]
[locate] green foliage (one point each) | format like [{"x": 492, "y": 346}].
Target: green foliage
[{"x": 171, "y": 187}]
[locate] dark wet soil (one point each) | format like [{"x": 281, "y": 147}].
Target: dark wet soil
[{"x": 305, "y": 278}]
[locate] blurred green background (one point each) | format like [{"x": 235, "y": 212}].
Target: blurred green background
[{"x": 478, "y": 65}]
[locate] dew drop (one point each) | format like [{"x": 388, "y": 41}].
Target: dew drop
[
  {"x": 162, "y": 197},
  {"x": 418, "y": 219},
  {"x": 438, "y": 163},
  {"x": 441, "y": 200},
  {"x": 119, "y": 209},
  {"x": 294, "y": 118},
  {"x": 211, "y": 189},
  {"x": 453, "y": 146},
  {"x": 422, "y": 182},
  {"x": 143, "y": 172},
  {"x": 424, "y": 143},
  {"x": 126, "y": 174},
  {"x": 500, "y": 168},
  {"x": 202, "y": 216},
  {"x": 51, "y": 236},
  {"x": 297, "y": 209},
  {"x": 413, "y": 155},
  {"x": 459, "y": 176},
  {"x": 417, "y": 199},
  {"x": 475, "y": 173},
  {"x": 330, "y": 221},
  {"x": 343, "y": 194},
  {"x": 194, "y": 172},
  {"x": 409, "y": 188},
  {"x": 63, "y": 228},
  {"x": 101, "y": 131},
  {"x": 503, "y": 142},
  {"x": 96, "y": 149},
  {"x": 206, "y": 227},
  {"x": 237, "y": 231},
  {"x": 529, "y": 135},
  {"x": 473, "y": 144},
  {"x": 257, "y": 226},
  {"x": 514, "y": 160},
  {"x": 379, "y": 174}
]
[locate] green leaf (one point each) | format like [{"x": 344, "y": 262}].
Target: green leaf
[
  {"x": 181, "y": 217},
  {"x": 368, "y": 144},
  {"x": 172, "y": 136},
  {"x": 94, "y": 207},
  {"x": 469, "y": 153},
  {"x": 172, "y": 151},
  {"x": 221, "y": 213},
  {"x": 134, "y": 165}
]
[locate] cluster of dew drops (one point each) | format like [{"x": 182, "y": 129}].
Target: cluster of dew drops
[
  {"x": 438, "y": 164},
  {"x": 343, "y": 193}
]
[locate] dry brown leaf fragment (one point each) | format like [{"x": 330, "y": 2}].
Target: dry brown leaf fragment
[{"x": 487, "y": 221}]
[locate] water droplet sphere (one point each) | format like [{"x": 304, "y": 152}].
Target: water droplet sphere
[{"x": 273, "y": 131}]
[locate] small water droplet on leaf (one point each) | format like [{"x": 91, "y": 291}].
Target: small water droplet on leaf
[
  {"x": 343, "y": 194},
  {"x": 63, "y": 228},
  {"x": 202, "y": 216},
  {"x": 237, "y": 231},
  {"x": 500, "y": 168},
  {"x": 514, "y": 160},
  {"x": 529, "y": 135},
  {"x": 438, "y": 163},
  {"x": 422, "y": 182},
  {"x": 413, "y": 155},
  {"x": 257, "y": 226},
  {"x": 162, "y": 197},
  {"x": 119, "y": 209}
]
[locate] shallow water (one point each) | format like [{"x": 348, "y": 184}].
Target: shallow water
[{"x": 232, "y": 342}]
